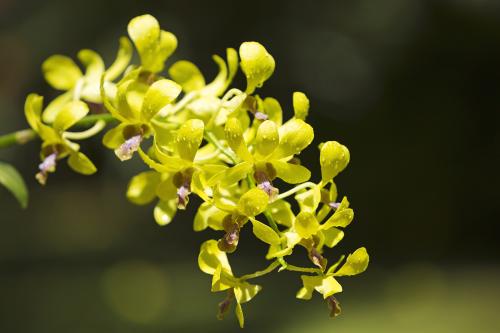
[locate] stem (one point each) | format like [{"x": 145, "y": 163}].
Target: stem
[
  {"x": 265, "y": 271},
  {"x": 17, "y": 138},
  {"x": 210, "y": 137},
  {"x": 98, "y": 126},
  {"x": 26, "y": 135},
  {"x": 182, "y": 103},
  {"x": 295, "y": 190},
  {"x": 294, "y": 268}
]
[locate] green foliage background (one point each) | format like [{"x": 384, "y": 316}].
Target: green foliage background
[{"x": 411, "y": 87}]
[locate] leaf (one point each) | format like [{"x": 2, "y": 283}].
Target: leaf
[
  {"x": 356, "y": 263},
  {"x": 13, "y": 181}
]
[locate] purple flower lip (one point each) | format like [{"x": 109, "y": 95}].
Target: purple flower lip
[
  {"x": 334, "y": 205},
  {"x": 260, "y": 116},
  {"x": 47, "y": 165},
  {"x": 128, "y": 148},
  {"x": 183, "y": 196},
  {"x": 265, "y": 184}
]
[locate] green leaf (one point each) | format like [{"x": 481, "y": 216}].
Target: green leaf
[
  {"x": 265, "y": 233},
  {"x": 164, "y": 211},
  {"x": 13, "y": 181},
  {"x": 142, "y": 187},
  {"x": 334, "y": 157},
  {"x": 300, "y": 105},
  {"x": 295, "y": 135},
  {"x": 267, "y": 138},
  {"x": 187, "y": 75},
  {"x": 257, "y": 64},
  {"x": 159, "y": 94},
  {"x": 61, "y": 72},
  {"x": 306, "y": 224},
  {"x": 253, "y": 202},
  {"x": 81, "y": 164},
  {"x": 356, "y": 263},
  {"x": 70, "y": 114},
  {"x": 189, "y": 138}
]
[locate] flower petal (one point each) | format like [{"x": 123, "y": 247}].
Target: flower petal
[{"x": 257, "y": 64}]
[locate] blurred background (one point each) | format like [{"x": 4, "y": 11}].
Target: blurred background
[{"x": 411, "y": 87}]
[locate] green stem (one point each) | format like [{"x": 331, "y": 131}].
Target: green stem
[
  {"x": 98, "y": 126},
  {"x": 294, "y": 268},
  {"x": 26, "y": 135},
  {"x": 210, "y": 137},
  {"x": 296, "y": 189},
  {"x": 263, "y": 272}
]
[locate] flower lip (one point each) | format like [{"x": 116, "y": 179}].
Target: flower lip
[
  {"x": 47, "y": 165},
  {"x": 334, "y": 205},
  {"x": 266, "y": 185},
  {"x": 183, "y": 195},
  {"x": 129, "y": 147}
]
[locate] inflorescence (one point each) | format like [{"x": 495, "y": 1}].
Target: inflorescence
[{"x": 225, "y": 145}]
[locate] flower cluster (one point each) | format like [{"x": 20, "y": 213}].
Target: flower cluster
[{"x": 230, "y": 147}]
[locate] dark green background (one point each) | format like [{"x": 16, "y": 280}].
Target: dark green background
[{"x": 411, "y": 87}]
